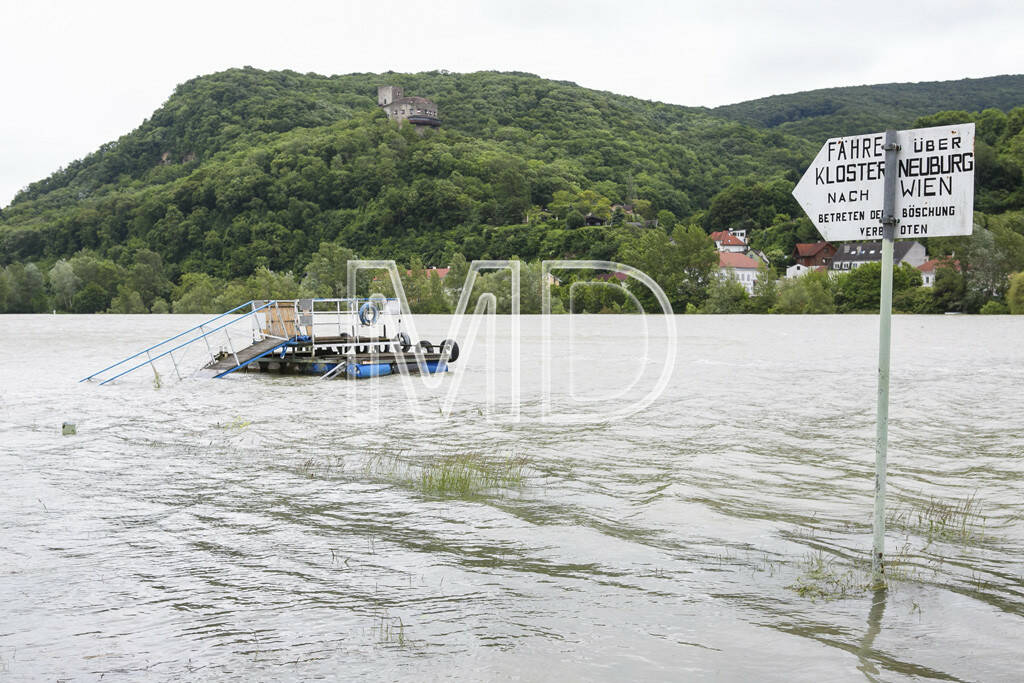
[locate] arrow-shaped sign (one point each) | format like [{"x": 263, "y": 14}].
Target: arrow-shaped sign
[{"x": 842, "y": 189}]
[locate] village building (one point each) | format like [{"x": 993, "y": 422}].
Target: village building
[
  {"x": 739, "y": 267},
  {"x": 799, "y": 270},
  {"x": 730, "y": 240},
  {"x": 814, "y": 254},
  {"x": 418, "y": 111},
  {"x": 855, "y": 254},
  {"x": 928, "y": 269},
  {"x": 810, "y": 256}
]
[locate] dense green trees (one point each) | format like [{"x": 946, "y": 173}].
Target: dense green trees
[
  {"x": 832, "y": 112},
  {"x": 725, "y": 295},
  {"x": 809, "y": 294},
  {"x": 683, "y": 264},
  {"x": 22, "y": 289},
  {"x": 859, "y": 291},
  {"x": 245, "y": 168},
  {"x": 251, "y": 184}
]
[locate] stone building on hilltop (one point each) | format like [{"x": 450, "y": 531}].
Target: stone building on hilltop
[{"x": 418, "y": 111}]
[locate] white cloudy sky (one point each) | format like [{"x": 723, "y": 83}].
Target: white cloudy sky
[{"x": 78, "y": 74}]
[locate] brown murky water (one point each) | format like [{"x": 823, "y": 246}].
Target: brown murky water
[{"x": 268, "y": 527}]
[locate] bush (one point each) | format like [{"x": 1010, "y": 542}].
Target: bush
[
  {"x": 810, "y": 293},
  {"x": 916, "y": 300},
  {"x": 91, "y": 299},
  {"x": 994, "y": 308},
  {"x": 1015, "y": 297}
]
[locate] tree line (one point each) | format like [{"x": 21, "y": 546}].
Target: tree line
[{"x": 683, "y": 261}]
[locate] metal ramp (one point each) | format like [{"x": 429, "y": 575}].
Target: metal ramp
[
  {"x": 269, "y": 321},
  {"x": 231, "y": 362}
]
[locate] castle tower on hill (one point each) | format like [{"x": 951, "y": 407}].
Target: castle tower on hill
[{"x": 418, "y": 111}]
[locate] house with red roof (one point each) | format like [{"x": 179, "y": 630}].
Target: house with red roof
[
  {"x": 814, "y": 254},
  {"x": 739, "y": 267},
  {"x": 730, "y": 241},
  {"x": 929, "y": 267}
]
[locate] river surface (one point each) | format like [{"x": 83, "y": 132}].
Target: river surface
[{"x": 278, "y": 527}]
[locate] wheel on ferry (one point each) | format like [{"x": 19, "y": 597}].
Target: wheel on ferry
[
  {"x": 425, "y": 346},
  {"x": 452, "y": 347},
  {"x": 403, "y": 342}
]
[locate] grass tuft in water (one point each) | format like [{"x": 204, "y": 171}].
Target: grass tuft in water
[
  {"x": 465, "y": 474},
  {"x": 322, "y": 467},
  {"x": 959, "y": 521},
  {"x": 390, "y": 631},
  {"x": 821, "y": 578},
  {"x": 238, "y": 423},
  {"x": 454, "y": 474}
]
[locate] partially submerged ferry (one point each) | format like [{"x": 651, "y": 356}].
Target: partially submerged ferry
[{"x": 352, "y": 338}]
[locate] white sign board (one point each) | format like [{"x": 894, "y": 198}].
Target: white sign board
[{"x": 842, "y": 190}]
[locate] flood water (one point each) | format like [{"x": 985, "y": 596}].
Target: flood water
[{"x": 276, "y": 527}]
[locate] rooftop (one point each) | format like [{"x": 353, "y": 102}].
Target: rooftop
[
  {"x": 727, "y": 238},
  {"x": 935, "y": 263},
  {"x": 732, "y": 259},
  {"x": 810, "y": 249},
  {"x": 871, "y": 251}
]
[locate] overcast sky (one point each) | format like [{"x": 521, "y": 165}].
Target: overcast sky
[{"x": 78, "y": 74}]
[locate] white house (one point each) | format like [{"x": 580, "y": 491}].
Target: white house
[
  {"x": 729, "y": 240},
  {"x": 799, "y": 269},
  {"x": 928, "y": 269},
  {"x": 740, "y": 267}
]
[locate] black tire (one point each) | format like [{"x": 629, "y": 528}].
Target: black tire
[
  {"x": 404, "y": 342},
  {"x": 453, "y": 349},
  {"x": 426, "y": 346}
]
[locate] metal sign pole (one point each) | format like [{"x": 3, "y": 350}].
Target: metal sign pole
[
  {"x": 840, "y": 190},
  {"x": 889, "y": 222}
]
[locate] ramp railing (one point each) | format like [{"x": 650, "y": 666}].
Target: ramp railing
[
  {"x": 271, "y": 315},
  {"x": 291, "y": 322}
]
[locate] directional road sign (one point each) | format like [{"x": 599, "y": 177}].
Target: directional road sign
[{"x": 842, "y": 190}]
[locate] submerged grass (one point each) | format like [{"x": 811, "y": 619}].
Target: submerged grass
[
  {"x": 238, "y": 423},
  {"x": 822, "y": 578},
  {"x": 468, "y": 473},
  {"x": 460, "y": 474},
  {"x": 390, "y": 631},
  {"x": 958, "y": 521},
  {"x": 317, "y": 466}
]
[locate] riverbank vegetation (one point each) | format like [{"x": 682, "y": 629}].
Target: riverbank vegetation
[{"x": 255, "y": 185}]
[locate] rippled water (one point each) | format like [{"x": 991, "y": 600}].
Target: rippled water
[{"x": 267, "y": 527}]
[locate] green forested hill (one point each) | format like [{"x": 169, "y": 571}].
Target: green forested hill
[
  {"x": 831, "y": 112},
  {"x": 247, "y": 167},
  {"x": 247, "y": 173}
]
